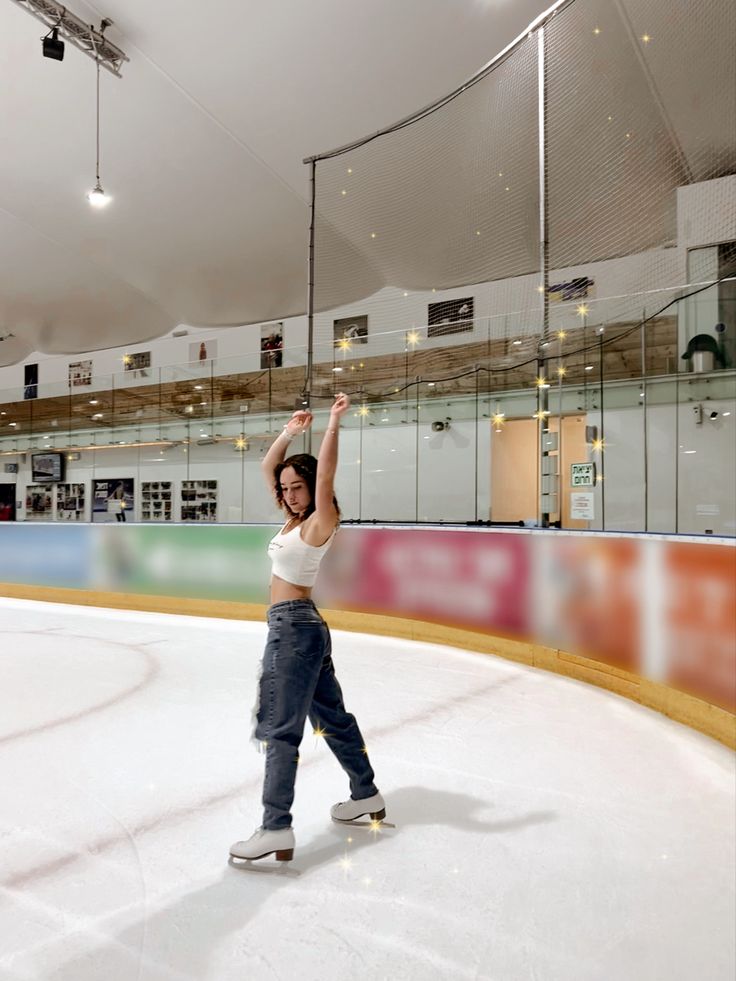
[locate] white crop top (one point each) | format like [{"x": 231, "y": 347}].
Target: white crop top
[{"x": 293, "y": 560}]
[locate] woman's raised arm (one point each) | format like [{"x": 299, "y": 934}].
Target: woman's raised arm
[
  {"x": 299, "y": 423},
  {"x": 324, "y": 504}
]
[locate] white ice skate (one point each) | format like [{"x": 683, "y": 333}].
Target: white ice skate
[
  {"x": 351, "y": 810},
  {"x": 263, "y": 843}
]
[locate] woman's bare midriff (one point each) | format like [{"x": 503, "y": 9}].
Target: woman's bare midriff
[{"x": 282, "y": 590}]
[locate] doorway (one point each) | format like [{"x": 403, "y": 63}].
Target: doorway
[
  {"x": 514, "y": 463},
  {"x": 7, "y": 502}
]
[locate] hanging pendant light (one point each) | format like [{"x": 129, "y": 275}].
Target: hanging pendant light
[{"x": 97, "y": 197}]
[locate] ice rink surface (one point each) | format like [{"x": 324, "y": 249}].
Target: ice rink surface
[{"x": 544, "y": 829}]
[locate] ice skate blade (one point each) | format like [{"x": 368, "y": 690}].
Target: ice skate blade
[
  {"x": 246, "y": 865},
  {"x": 282, "y": 855},
  {"x": 377, "y": 817}
]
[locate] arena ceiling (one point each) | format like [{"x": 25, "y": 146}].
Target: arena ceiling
[{"x": 202, "y": 143}]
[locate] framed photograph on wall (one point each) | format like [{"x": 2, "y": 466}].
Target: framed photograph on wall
[
  {"x": 112, "y": 500},
  {"x": 30, "y": 381},
  {"x": 272, "y": 345},
  {"x": 581, "y": 288},
  {"x": 450, "y": 317},
  {"x": 80, "y": 374},
  {"x": 353, "y": 329},
  {"x": 202, "y": 350},
  {"x": 139, "y": 361}
]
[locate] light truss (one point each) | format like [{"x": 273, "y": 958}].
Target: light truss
[{"x": 83, "y": 36}]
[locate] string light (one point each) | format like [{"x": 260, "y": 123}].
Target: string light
[
  {"x": 598, "y": 445},
  {"x": 542, "y": 382},
  {"x": 596, "y": 31},
  {"x": 364, "y": 411},
  {"x": 344, "y": 344},
  {"x": 412, "y": 338},
  {"x": 497, "y": 421},
  {"x": 562, "y": 371},
  {"x": 127, "y": 359},
  {"x": 582, "y": 309},
  {"x": 646, "y": 38},
  {"x": 562, "y": 334},
  {"x": 241, "y": 443}
]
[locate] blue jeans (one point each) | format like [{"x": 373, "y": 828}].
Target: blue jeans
[{"x": 298, "y": 680}]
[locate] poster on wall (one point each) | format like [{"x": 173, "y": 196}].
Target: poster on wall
[
  {"x": 450, "y": 317},
  {"x": 581, "y": 288},
  {"x": 80, "y": 374},
  {"x": 272, "y": 345},
  {"x": 138, "y": 363},
  {"x": 352, "y": 329},
  {"x": 202, "y": 350},
  {"x": 30, "y": 381},
  {"x": 112, "y": 500}
]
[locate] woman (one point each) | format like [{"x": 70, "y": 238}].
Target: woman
[{"x": 298, "y": 678}]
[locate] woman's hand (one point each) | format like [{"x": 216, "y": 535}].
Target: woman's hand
[
  {"x": 299, "y": 422},
  {"x": 341, "y": 405}
]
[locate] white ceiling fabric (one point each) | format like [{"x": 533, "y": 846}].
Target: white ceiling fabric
[
  {"x": 201, "y": 149},
  {"x": 202, "y": 146}
]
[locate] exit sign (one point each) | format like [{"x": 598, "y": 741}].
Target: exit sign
[{"x": 582, "y": 475}]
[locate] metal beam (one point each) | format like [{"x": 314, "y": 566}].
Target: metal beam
[{"x": 83, "y": 36}]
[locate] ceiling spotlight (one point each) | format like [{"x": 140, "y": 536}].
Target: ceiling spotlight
[
  {"x": 51, "y": 45},
  {"x": 97, "y": 197}
]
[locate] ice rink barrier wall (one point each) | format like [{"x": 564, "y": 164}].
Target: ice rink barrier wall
[{"x": 650, "y": 617}]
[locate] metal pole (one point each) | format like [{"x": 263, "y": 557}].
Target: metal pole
[
  {"x": 310, "y": 297},
  {"x": 543, "y": 182},
  {"x": 644, "y": 390},
  {"x": 603, "y": 435},
  {"x": 543, "y": 393},
  {"x": 477, "y": 382}
]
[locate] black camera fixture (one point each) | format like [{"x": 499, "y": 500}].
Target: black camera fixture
[{"x": 51, "y": 46}]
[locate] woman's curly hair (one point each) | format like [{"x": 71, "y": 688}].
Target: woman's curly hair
[{"x": 305, "y": 466}]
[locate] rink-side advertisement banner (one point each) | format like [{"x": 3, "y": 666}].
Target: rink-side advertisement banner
[{"x": 662, "y": 608}]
